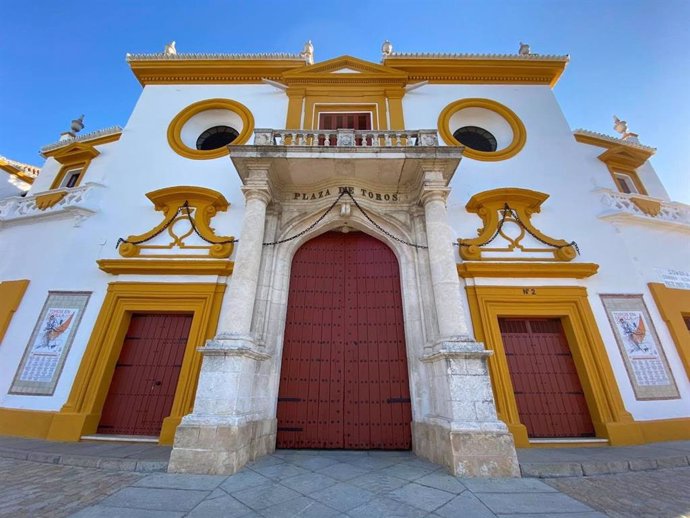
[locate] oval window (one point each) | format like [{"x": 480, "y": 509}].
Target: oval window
[
  {"x": 216, "y": 137},
  {"x": 476, "y": 138}
]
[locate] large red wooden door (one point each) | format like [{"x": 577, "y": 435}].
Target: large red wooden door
[
  {"x": 143, "y": 386},
  {"x": 548, "y": 391},
  {"x": 344, "y": 381},
  {"x": 334, "y": 121}
]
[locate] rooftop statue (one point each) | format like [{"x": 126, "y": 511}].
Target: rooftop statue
[
  {"x": 170, "y": 49},
  {"x": 524, "y": 49},
  {"x": 387, "y": 48},
  {"x": 308, "y": 52}
]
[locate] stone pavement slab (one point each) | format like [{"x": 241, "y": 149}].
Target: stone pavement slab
[{"x": 353, "y": 484}]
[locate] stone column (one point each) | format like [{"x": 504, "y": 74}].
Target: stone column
[
  {"x": 226, "y": 428},
  {"x": 462, "y": 431},
  {"x": 444, "y": 273}
]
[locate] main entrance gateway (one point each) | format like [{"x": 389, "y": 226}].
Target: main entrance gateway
[
  {"x": 146, "y": 375},
  {"x": 344, "y": 380}
]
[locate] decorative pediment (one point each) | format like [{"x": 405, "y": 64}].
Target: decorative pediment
[
  {"x": 187, "y": 213},
  {"x": 508, "y": 233},
  {"x": 76, "y": 152},
  {"x": 623, "y": 156},
  {"x": 345, "y": 68}
]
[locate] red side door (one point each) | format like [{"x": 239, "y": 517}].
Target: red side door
[
  {"x": 146, "y": 375},
  {"x": 548, "y": 391}
]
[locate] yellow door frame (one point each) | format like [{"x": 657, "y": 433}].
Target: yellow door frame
[
  {"x": 569, "y": 304},
  {"x": 82, "y": 412}
]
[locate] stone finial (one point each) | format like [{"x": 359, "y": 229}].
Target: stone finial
[
  {"x": 524, "y": 49},
  {"x": 76, "y": 126},
  {"x": 308, "y": 52},
  {"x": 387, "y": 49},
  {"x": 170, "y": 49},
  {"x": 621, "y": 127}
]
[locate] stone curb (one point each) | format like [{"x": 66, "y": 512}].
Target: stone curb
[
  {"x": 590, "y": 469},
  {"x": 83, "y": 461},
  {"x": 527, "y": 469}
]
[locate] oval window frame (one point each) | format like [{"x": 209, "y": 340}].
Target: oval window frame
[
  {"x": 179, "y": 121},
  {"x": 516, "y": 125}
]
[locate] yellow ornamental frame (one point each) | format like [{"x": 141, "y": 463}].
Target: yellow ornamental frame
[
  {"x": 176, "y": 125},
  {"x": 516, "y": 125},
  {"x": 202, "y": 203},
  {"x": 82, "y": 412},
  {"x": 489, "y": 206},
  {"x": 571, "y": 306}
]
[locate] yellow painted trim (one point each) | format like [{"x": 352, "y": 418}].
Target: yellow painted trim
[
  {"x": 45, "y": 201},
  {"x": 212, "y": 71},
  {"x": 11, "y": 295},
  {"x": 169, "y": 266},
  {"x": 469, "y": 70},
  {"x": 648, "y": 206},
  {"x": 665, "y": 429},
  {"x": 205, "y": 203},
  {"x": 527, "y": 270},
  {"x": 571, "y": 306},
  {"x": 516, "y": 125},
  {"x": 617, "y": 168},
  {"x": 569, "y": 444},
  {"x": 628, "y": 156},
  {"x": 178, "y": 122},
  {"x": 82, "y": 412},
  {"x": 673, "y": 305},
  {"x": 366, "y": 74},
  {"x": 25, "y": 423},
  {"x": 295, "y": 107},
  {"x": 395, "y": 108},
  {"x": 489, "y": 206},
  {"x": 15, "y": 171}
]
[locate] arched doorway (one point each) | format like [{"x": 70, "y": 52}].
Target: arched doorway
[{"x": 344, "y": 379}]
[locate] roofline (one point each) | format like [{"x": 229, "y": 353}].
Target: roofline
[{"x": 105, "y": 134}]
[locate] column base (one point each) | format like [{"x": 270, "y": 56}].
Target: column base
[
  {"x": 221, "y": 449},
  {"x": 467, "y": 453}
]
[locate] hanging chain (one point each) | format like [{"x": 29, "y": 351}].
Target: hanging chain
[
  {"x": 379, "y": 226},
  {"x": 343, "y": 192},
  {"x": 506, "y": 211},
  {"x": 329, "y": 209},
  {"x": 170, "y": 222}
]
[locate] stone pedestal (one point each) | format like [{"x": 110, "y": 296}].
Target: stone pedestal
[
  {"x": 463, "y": 431},
  {"x": 226, "y": 429}
]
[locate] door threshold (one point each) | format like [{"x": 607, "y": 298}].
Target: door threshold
[
  {"x": 572, "y": 442},
  {"x": 120, "y": 438}
]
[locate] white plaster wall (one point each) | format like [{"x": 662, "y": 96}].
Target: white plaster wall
[
  {"x": 56, "y": 256},
  {"x": 553, "y": 162}
]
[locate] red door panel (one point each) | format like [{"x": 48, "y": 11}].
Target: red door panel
[
  {"x": 146, "y": 374},
  {"x": 344, "y": 380},
  {"x": 334, "y": 121},
  {"x": 548, "y": 391}
]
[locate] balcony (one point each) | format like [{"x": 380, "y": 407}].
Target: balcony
[
  {"x": 391, "y": 159},
  {"x": 77, "y": 203},
  {"x": 638, "y": 208}
]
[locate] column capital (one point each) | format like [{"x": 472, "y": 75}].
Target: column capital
[{"x": 433, "y": 193}]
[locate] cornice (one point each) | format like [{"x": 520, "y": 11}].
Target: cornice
[
  {"x": 103, "y": 136},
  {"x": 211, "y": 68},
  {"x": 602, "y": 140},
  {"x": 168, "y": 266},
  {"x": 452, "y": 55},
  {"x": 527, "y": 270},
  {"x": 480, "y": 68},
  {"x": 25, "y": 172}
]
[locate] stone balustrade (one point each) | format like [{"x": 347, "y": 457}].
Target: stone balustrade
[
  {"x": 77, "y": 202},
  {"x": 345, "y": 138},
  {"x": 643, "y": 208}
]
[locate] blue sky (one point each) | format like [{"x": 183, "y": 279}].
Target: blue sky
[{"x": 629, "y": 58}]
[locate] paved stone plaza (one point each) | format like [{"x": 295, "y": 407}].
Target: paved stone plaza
[{"x": 333, "y": 483}]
